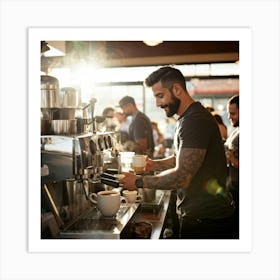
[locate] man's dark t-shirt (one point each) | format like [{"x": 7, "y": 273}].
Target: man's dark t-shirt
[
  {"x": 197, "y": 129},
  {"x": 140, "y": 128}
]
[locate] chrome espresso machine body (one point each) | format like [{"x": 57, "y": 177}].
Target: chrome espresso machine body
[{"x": 74, "y": 158}]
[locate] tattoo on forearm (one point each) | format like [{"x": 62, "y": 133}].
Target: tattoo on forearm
[
  {"x": 188, "y": 163},
  {"x": 165, "y": 164}
]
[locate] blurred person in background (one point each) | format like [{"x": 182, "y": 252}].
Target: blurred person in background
[
  {"x": 232, "y": 151},
  {"x": 158, "y": 141},
  {"x": 209, "y": 108},
  {"x": 140, "y": 129},
  {"x": 124, "y": 124},
  {"x": 222, "y": 126},
  {"x": 110, "y": 122},
  {"x": 197, "y": 170}
]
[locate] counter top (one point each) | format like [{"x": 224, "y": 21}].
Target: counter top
[
  {"x": 92, "y": 225},
  {"x": 156, "y": 217}
]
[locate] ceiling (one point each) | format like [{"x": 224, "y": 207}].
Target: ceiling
[{"x": 136, "y": 53}]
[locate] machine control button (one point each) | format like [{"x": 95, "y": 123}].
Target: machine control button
[
  {"x": 109, "y": 140},
  {"x": 92, "y": 147},
  {"x": 105, "y": 142},
  {"x": 100, "y": 144}
]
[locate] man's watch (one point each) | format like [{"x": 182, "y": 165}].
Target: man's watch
[{"x": 139, "y": 182}]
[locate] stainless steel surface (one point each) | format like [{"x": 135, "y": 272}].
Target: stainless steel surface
[
  {"x": 53, "y": 206},
  {"x": 88, "y": 111},
  {"x": 78, "y": 155},
  {"x": 49, "y": 92},
  {"x": 149, "y": 195},
  {"x": 49, "y": 226},
  {"x": 69, "y": 97},
  {"x": 82, "y": 126},
  {"x": 75, "y": 155},
  {"x": 75, "y": 164},
  {"x": 77, "y": 197},
  {"x": 64, "y": 127},
  {"x": 156, "y": 218},
  {"x": 154, "y": 201},
  {"x": 57, "y": 155},
  {"x": 46, "y": 127},
  {"x": 59, "y": 113},
  {"x": 92, "y": 225}
]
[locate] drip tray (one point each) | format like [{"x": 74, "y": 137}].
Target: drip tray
[
  {"x": 155, "y": 205},
  {"x": 94, "y": 225}
]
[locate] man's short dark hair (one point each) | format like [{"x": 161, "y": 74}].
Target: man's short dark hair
[
  {"x": 107, "y": 110},
  {"x": 167, "y": 75},
  {"x": 127, "y": 100},
  {"x": 234, "y": 100}
]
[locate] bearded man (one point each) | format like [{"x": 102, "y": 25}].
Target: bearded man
[{"x": 197, "y": 170}]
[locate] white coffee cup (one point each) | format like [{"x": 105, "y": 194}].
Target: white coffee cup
[
  {"x": 126, "y": 161},
  {"x": 131, "y": 196},
  {"x": 139, "y": 164},
  {"x": 108, "y": 202}
]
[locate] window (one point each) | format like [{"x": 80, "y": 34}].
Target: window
[{"x": 109, "y": 85}]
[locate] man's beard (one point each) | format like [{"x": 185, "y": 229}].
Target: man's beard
[
  {"x": 172, "y": 107},
  {"x": 236, "y": 124},
  {"x": 127, "y": 114}
]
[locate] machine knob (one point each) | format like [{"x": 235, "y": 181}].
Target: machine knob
[
  {"x": 92, "y": 147},
  {"x": 109, "y": 140},
  {"x": 100, "y": 144},
  {"x": 105, "y": 142}
]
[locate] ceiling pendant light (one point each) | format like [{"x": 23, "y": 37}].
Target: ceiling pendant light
[{"x": 152, "y": 43}]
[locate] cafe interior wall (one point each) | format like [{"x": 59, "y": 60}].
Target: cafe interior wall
[{"x": 76, "y": 65}]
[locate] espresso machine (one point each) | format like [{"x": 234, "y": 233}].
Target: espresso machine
[{"x": 76, "y": 159}]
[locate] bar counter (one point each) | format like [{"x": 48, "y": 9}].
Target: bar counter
[
  {"x": 155, "y": 215},
  {"x": 92, "y": 225}
]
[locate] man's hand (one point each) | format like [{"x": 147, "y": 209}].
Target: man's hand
[
  {"x": 128, "y": 181},
  {"x": 149, "y": 165}
]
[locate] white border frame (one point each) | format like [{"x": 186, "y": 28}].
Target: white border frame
[{"x": 243, "y": 35}]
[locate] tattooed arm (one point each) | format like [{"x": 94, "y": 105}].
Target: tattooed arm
[
  {"x": 188, "y": 163},
  {"x": 160, "y": 164}
]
